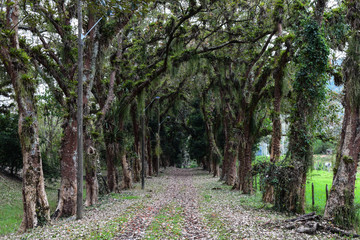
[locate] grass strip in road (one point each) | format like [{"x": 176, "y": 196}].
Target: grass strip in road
[
  {"x": 167, "y": 224},
  {"x": 112, "y": 228}
]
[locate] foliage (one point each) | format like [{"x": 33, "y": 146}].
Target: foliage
[
  {"x": 198, "y": 143},
  {"x": 50, "y": 133},
  {"x": 10, "y": 149},
  {"x": 321, "y": 147}
]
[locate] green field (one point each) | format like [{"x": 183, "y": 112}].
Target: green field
[
  {"x": 320, "y": 178},
  {"x": 11, "y": 208}
]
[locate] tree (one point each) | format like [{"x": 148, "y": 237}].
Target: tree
[
  {"x": 309, "y": 91},
  {"x": 17, "y": 65},
  {"x": 340, "y": 205}
]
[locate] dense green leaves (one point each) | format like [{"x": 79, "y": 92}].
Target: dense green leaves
[{"x": 10, "y": 149}]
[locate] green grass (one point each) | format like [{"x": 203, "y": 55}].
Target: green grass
[
  {"x": 123, "y": 196},
  {"x": 11, "y": 206},
  {"x": 114, "y": 227},
  {"x": 320, "y": 179},
  {"x": 167, "y": 224}
]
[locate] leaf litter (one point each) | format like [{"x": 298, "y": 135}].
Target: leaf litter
[{"x": 181, "y": 204}]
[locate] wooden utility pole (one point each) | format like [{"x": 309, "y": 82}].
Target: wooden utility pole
[
  {"x": 158, "y": 142},
  {"x": 80, "y": 148}
]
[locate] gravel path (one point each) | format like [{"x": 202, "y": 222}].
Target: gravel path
[
  {"x": 180, "y": 190},
  {"x": 181, "y": 204}
]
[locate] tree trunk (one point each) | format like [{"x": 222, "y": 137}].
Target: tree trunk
[
  {"x": 341, "y": 197},
  {"x": 275, "y": 151},
  {"x": 127, "y": 179},
  {"x": 245, "y": 169},
  {"x": 290, "y": 190},
  {"x": 225, "y": 163},
  {"x": 36, "y": 206},
  {"x": 110, "y": 164},
  {"x": 204, "y": 163},
  {"x": 291, "y": 197},
  {"x": 232, "y": 157},
  {"x": 340, "y": 205},
  {"x": 149, "y": 156},
  {"x": 68, "y": 165},
  {"x": 137, "y": 164},
  {"x": 230, "y": 150},
  {"x": 215, "y": 156},
  {"x": 216, "y": 168},
  {"x": 91, "y": 154},
  {"x": 92, "y": 185}
]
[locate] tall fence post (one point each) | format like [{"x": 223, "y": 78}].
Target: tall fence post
[{"x": 312, "y": 191}]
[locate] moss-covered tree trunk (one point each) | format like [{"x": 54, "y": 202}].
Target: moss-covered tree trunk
[
  {"x": 230, "y": 150},
  {"x": 149, "y": 155},
  {"x": 232, "y": 158},
  {"x": 341, "y": 198},
  {"x": 275, "y": 151},
  {"x": 110, "y": 165},
  {"x": 68, "y": 165},
  {"x": 309, "y": 85},
  {"x": 225, "y": 163},
  {"x": 245, "y": 158},
  {"x": 215, "y": 156},
  {"x": 91, "y": 159},
  {"x": 108, "y": 129},
  {"x": 135, "y": 124},
  {"x": 91, "y": 52},
  {"x": 127, "y": 178},
  {"x": 36, "y": 206},
  {"x": 290, "y": 192},
  {"x": 340, "y": 205}
]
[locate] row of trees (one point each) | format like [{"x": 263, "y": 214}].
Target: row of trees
[{"x": 229, "y": 69}]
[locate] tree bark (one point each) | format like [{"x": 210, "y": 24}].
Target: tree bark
[
  {"x": 232, "y": 158},
  {"x": 137, "y": 164},
  {"x": 91, "y": 154},
  {"x": 224, "y": 169},
  {"x": 36, "y": 206},
  {"x": 215, "y": 156},
  {"x": 127, "y": 178},
  {"x": 340, "y": 205},
  {"x": 92, "y": 185},
  {"x": 275, "y": 151},
  {"x": 245, "y": 156},
  {"x": 68, "y": 165},
  {"x": 110, "y": 164},
  {"x": 230, "y": 150},
  {"x": 149, "y": 156},
  {"x": 341, "y": 197}
]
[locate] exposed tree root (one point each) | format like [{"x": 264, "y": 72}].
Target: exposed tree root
[{"x": 311, "y": 224}]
